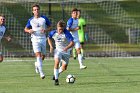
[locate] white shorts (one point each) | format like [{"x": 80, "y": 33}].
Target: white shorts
[
  {"x": 77, "y": 44},
  {"x": 62, "y": 56},
  {"x": 39, "y": 46}
]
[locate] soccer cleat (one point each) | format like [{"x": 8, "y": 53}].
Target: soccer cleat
[
  {"x": 53, "y": 78},
  {"x": 74, "y": 58},
  {"x": 56, "y": 82},
  {"x": 42, "y": 76},
  {"x": 83, "y": 67}
]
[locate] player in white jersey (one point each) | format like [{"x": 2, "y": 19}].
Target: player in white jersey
[
  {"x": 3, "y": 33},
  {"x": 37, "y": 26},
  {"x": 72, "y": 26},
  {"x": 63, "y": 43}
]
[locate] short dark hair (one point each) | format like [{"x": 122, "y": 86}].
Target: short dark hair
[
  {"x": 2, "y": 15},
  {"x": 61, "y": 23},
  {"x": 74, "y": 9},
  {"x": 35, "y": 5}
]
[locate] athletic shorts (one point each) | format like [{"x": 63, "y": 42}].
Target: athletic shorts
[
  {"x": 77, "y": 44},
  {"x": 39, "y": 46},
  {"x": 62, "y": 56}
]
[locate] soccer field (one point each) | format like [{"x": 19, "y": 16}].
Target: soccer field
[{"x": 103, "y": 75}]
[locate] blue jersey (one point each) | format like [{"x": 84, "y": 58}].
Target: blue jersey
[
  {"x": 61, "y": 40},
  {"x": 37, "y": 24},
  {"x": 73, "y": 23},
  {"x": 2, "y": 31}
]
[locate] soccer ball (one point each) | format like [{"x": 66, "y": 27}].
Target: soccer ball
[{"x": 70, "y": 78}]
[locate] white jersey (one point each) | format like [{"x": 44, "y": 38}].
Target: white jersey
[
  {"x": 61, "y": 40},
  {"x": 37, "y": 24},
  {"x": 73, "y": 23},
  {"x": 2, "y": 31}
]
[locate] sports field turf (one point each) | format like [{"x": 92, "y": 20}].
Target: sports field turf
[{"x": 103, "y": 75}]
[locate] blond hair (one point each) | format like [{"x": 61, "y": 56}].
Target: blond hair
[{"x": 61, "y": 23}]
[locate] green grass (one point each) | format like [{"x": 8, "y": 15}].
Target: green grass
[{"x": 103, "y": 75}]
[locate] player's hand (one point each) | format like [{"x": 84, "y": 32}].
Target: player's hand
[
  {"x": 8, "y": 38},
  {"x": 77, "y": 28},
  {"x": 51, "y": 49},
  {"x": 65, "y": 49},
  {"x": 31, "y": 31},
  {"x": 43, "y": 31}
]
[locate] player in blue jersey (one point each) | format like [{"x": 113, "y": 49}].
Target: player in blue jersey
[
  {"x": 72, "y": 26},
  {"x": 81, "y": 33},
  {"x": 63, "y": 43},
  {"x": 37, "y": 26},
  {"x": 3, "y": 33}
]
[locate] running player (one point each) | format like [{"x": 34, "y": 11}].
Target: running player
[
  {"x": 37, "y": 26},
  {"x": 3, "y": 33},
  {"x": 72, "y": 26},
  {"x": 63, "y": 43},
  {"x": 81, "y": 33}
]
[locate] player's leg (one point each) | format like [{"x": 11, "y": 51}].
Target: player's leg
[
  {"x": 39, "y": 64},
  {"x": 65, "y": 61},
  {"x": 43, "y": 49},
  {"x": 57, "y": 59},
  {"x": 56, "y": 70},
  {"x": 43, "y": 56},
  {"x": 82, "y": 49},
  {"x": 1, "y": 57},
  {"x": 37, "y": 51},
  {"x": 80, "y": 59},
  {"x": 74, "y": 53},
  {"x": 36, "y": 67}
]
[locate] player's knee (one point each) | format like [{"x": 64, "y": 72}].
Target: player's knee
[
  {"x": 64, "y": 68},
  {"x": 43, "y": 57},
  {"x": 78, "y": 51},
  {"x": 1, "y": 59}
]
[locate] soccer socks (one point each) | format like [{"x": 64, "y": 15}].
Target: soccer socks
[
  {"x": 39, "y": 61},
  {"x": 80, "y": 59},
  {"x": 74, "y": 52},
  {"x": 82, "y": 52},
  {"x": 60, "y": 70},
  {"x": 56, "y": 73}
]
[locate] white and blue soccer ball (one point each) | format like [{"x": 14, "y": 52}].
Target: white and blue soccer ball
[{"x": 70, "y": 78}]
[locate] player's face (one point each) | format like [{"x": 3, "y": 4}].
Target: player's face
[
  {"x": 74, "y": 14},
  {"x": 2, "y": 20},
  {"x": 60, "y": 30},
  {"x": 36, "y": 11},
  {"x": 78, "y": 14}
]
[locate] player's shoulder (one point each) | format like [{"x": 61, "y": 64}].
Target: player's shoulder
[
  {"x": 3, "y": 27},
  {"x": 43, "y": 16},
  {"x": 31, "y": 18},
  {"x": 70, "y": 19},
  {"x": 52, "y": 32},
  {"x": 66, "y": 32}
]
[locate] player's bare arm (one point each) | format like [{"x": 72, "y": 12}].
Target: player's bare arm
[
  {"x": 28, "y": 30},
  {"x": 71, "y": 44},
  {"x": 8, "y": 38},
  {"x": 49, "y": 28},
  {"x": 50, "y": 44},
  {"x": 73, "y": 29}
]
